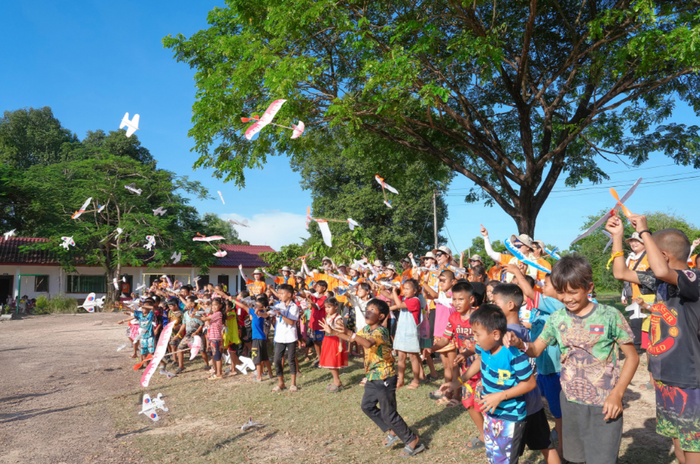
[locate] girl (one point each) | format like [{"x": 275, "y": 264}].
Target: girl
[
  {"x": 406, "y": 341},
  {"x": 333, "y": 353},
  {"x": 489, "y": 290},
  {"x": 230, "y": 337},
  {"x": 216, "y": 324}
]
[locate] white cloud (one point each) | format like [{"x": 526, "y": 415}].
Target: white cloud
[{"x": 273, "y": 227}]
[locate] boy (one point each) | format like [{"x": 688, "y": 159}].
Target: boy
[
  {"x": 506, "y": 376},
  {"x": 549, "y": 362},
  {"x": 588, "y": 335},
  {"x": 675, "y": 346},
  {"x": 381, "y": 374},
  {"x": 459, "y": 333},
  {"x": 259, "y": 349},
  {"x": 287, "y": 314},
  {"x": 509, "y": 297}
]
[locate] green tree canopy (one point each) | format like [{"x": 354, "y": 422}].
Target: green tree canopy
[{"x": 512, "y": 95}]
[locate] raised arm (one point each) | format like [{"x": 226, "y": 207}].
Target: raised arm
[
  {"x": 658, "y": 264},
  {"x": 620, "y": 269},
  {"x": 240, "y": 269},
  {"x": 528, "y": 291},
  {"x": 268, "y": 274},
  {"x": 487, "y": 245}
]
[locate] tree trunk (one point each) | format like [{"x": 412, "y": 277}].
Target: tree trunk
[{"x": 526, "y": 218}]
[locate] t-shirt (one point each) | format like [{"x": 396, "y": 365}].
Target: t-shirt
[
  {"x": 533, "y": 399},
  {"x": 191, "y": 323},
  {"x": 318, "y": 312},
  {"x": 443, "y": 311},
  {"x": 379, "y": 362},
  {"x": 541, "y": 274},
  {"x": 256, "y": 287},
  {"x": 549, "y": 362},
  {"x": 291, "y": 280},
  {"x": 413, "y": 307},
  {"x": 502, "y": 371},
  {"x": 407, "y": 274},
  {"x": 145, "y": 323},
  {"x": 590, "y": 365},
  {"x": 215, "y": 326},
  {"x": 674, "y": 354},
  {"x": 286, "y": 333},
  {"x": 459, "y": 331},
  {"x": 258, "y": 327}
]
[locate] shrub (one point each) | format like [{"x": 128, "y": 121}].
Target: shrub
[{"x": 57, "y": 304}]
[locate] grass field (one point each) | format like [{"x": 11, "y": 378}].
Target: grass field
[{"x": 203, "y": 423}]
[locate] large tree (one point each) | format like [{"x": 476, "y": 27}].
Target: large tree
[{"x": 509, "y": 94}]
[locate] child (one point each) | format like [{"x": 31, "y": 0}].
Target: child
[
  {"x": 406, "y": 342},
  {"x": 489, "y": 290},
  {"x": 259, "y": 350},
  {"x": 287, "y": 314},
  {"x": 675, "y": 346},
  {"x": 443, "y": 310},
  {"x": 509, "y": 297},
  {"x": 459, "y": 333},
  {"x": 382, "y": 381},
  {"x": 216, "y": 325},
  {"x": 145, "y": 318},
  {"x": 191, "y": 326},
  {"x": 318, "y": 313},
  {"x": 506, "y": 376},
  {"x": 549, "y": 362},
  {"x": 231, "y": 339},
  {"x": 588, "y": 335},
  {"x": 333, "y": 352},
  {"x": 358, "y": 297}
]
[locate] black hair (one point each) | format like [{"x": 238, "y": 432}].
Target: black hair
[
  {"x": 381, "y": 306},
  {"x": 331, "y": 301},
  {"x": 365, "y": 286},
  {"x": 186, "y": 287},
  {"x": 156, "y": 299},
  {"x": 229, "y": 304},
  {"x": 463, "y": 286},
  {"x": 479, "y": 270},
  {"x": 322, "y": 283},
  {"x": 490, "y": 317},
  {"x": 572, "y": 271},
  {"x": 413, "y": 283},
  {"x": 674, "y": 242},
  {"x": 286, "y": 288},
  {"x": 222, "y": 306},
  {"x": 244, "y": 294},
  {"x": 478, "y": 292},
  {"x": 493, "y": 283},
  {"x": 510, "y": 292},
  {"x": 448, "y": 273},
  {"x": 530, "y": 280},
  {"x": 192, "y": 299},
  {"x": 263, "y": 300}
]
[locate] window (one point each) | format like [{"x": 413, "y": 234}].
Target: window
[
  {"x": 41, "y": 283},
  {"x": 86, "y": 284},
  {"x": 223, "y": 280},
  {"x": 203, "y": 281}
]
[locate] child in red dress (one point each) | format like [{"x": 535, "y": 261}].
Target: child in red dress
[{"x": 333, "y": 352}]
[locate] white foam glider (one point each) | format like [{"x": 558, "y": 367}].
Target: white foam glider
[
  {"x": 385, "y": 185},
  {"x": 89, "y": 303},
  {"x": 618, "y": 206},
  {"x": 132, "y": 188},
  {"x": 150, "y": 242},
  {"x": 82, "y": 209},
  {"x": 220, "y": 254},
  {"x": 352, "y": 224},
  {"x": 115, "y": 282},
  {"x": 176, "y": 257},
  {"x": 131, "y": 126},
  {"x": 243, "y": 223},
  {"x": 212, "y": 238},
  {"x": 246, "y": 363},
  {"x": 12, "y": 233},
  {"x": 67, "y": 241},
  {"x": 267, "y": 118},
  {"x": 221, "y": 196},
  {"x": 160, "y": 211},
  {"x": 100, "y": 208},
  {"x": 149, "y": 406}
]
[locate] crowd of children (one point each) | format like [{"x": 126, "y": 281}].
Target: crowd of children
[{"x": 507, "y": 338}]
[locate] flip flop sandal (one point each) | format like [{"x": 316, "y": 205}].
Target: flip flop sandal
[
  {"x": 443, "y": 401},
  {"x": 475, "y": 443},
  {"x": 293, "y": 388},
  {"x": 436, "y": 395},
  {"x": 334, "y": 388},
  {"x": 453, "y": 403},
  {"x": 277, "y": 389},
  {"x": 412, "y": 386},
  {"x": 408, "y": 452},
  {"x": 214, "y": 377},
  {"x": 390, "y": 440}
]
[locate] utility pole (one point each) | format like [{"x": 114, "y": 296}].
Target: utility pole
[{"x": 435, "y": 229}]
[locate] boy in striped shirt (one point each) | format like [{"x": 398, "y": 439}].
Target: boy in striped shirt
[{"x": 506, "y": 376}]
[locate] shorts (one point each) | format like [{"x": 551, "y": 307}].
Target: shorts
[
  {"x": 586, "y": 437},
  {"x": 184, "y": 343},
  {"x": 550, "y": 387},
  {"x": 677, "y": 410},
  {"x": 215, "y": 349},
  {"x": 536, "y": 433},
  {"x": 174, "y": 340},
  {"x": 502, "y": 439},
  {"x": 471, "y": 391},
  {"x": 147, "y": 345},
  {"x": 316, "y": 335},
  {"x": 259, "y": 352}
]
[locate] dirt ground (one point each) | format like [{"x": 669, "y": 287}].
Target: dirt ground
[{"x": 65, "y": 390}]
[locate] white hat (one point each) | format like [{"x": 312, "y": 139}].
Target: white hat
[
  {"x": 286, "y": 268},
  {"x": 326, "y": 258},
  {"x": 428, "y": 255},
  {"x": 299, "y": 274},
  {"x": 341, "y": 265},
  {"x": 390, "y": 266},
  {"x": 634, "y": 236},
  {"x": 475, "y": 258},
  {"x": 523, "y": 238},
  {"x": 539, "y": 243},
  {"x": 445, "y": 250},
  {"x": 257, "y": 271},
  {"x": 377, "y": 262},
  {"x": 355, "y": 267}
]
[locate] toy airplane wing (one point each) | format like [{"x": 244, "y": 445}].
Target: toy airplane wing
[
  {"x": 89, "y": 303},
  {"x": 385, "y": 185},
  {"x": 553, "y": 253},
  {"x": 221, "y": 196},
  {"x": 9, "y": 234},
  {"x": 265, "y": 119},
  {"x": 325, "y": 232},
  {"x": 524, "y": 259},
  {"x": 212, "y": 238},
  {"x": 220, "y": 254},
  {"x": 195, "y": 346},
  {"x": 352, "y": 224},
  {"x": 592, "y": 229},
  {"x": 131, "y": 126},
  {"x": 148, "y": 408},
  {"x": 82, "y": 209},
  {"x": 609, "y": 235}
]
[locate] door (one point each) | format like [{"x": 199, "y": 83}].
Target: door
[{"x": 6, "y": 289}]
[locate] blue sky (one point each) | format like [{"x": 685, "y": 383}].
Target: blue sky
[{"x": 92, "y": 61}]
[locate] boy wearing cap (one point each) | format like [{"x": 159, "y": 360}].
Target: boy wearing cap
[{"x": 256, "y": 286}]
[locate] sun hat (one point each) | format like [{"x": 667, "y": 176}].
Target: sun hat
[
  {"x": 429, "y": 255},
  {"x": 257, "y": 271},
  {"x": 522, "y": 238},
  {"x": 540, "y": 243},
  {"x": 475, "y": 258},
  {"x": 445, "y": 250},
  {"x": 286, "y": 268},
  {"x": 634, "y": 236}
]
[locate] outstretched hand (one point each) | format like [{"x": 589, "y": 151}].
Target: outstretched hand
[
  {"x": 484, "y": 232},
  {"x": 614, "y": 226},
  {"x": 510, "y": 339}
]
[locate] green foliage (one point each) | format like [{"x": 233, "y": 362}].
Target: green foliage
[
  {"x": 509, "y": 94},
  {"x": 340, "y": 177},
  {"x": 57, "y": 304}
]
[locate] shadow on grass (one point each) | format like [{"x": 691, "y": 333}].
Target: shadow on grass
[
  {"x": 230, "y": 440},
  {"x": 28, "y": 395},
  {"x": 641, "y": 450},
  {"x": 133, "y": 432}
]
